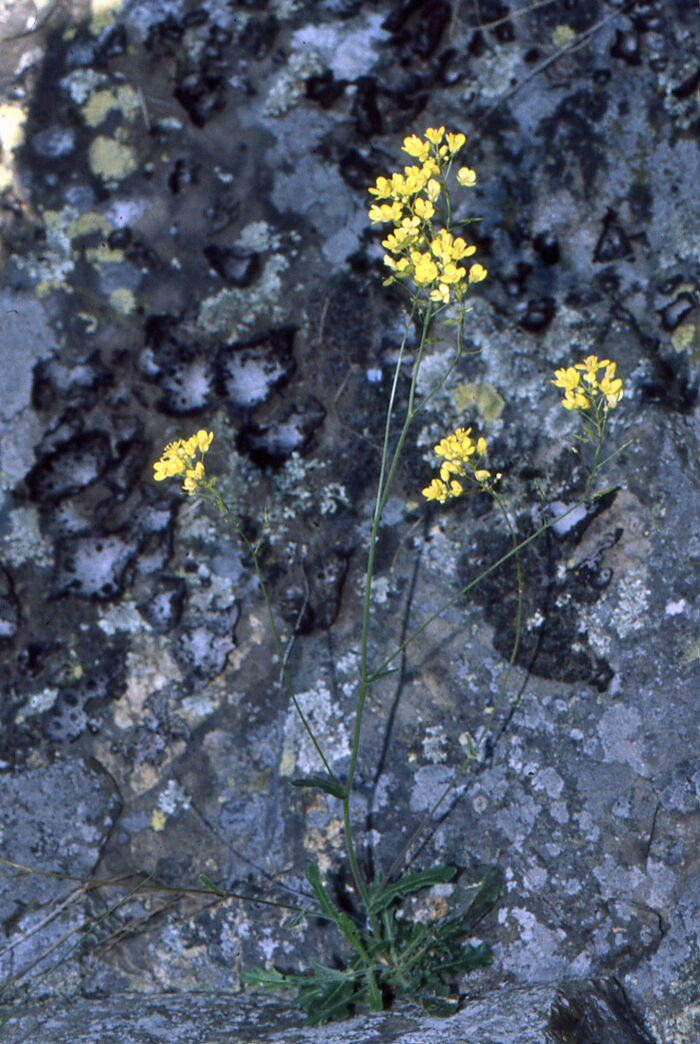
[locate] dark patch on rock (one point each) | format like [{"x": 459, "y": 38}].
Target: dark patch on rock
[
  {"x": 113, "y": 44},
  {"x": 200, "y": 90},
  {"x": 571, "y": 133},
  {"x": 595, "y": 1011},
  {"x": 556, "y": 648},
  {"x": 688, "y": 87},
  {"x": 417, "y": 26},
  {"x": 249, "y": 372},
  {"x": 9, "y": 608},
  {"x": 315, "y": 603},
  {"x": 258, "y": 37},
  {"x": 364, "y": 109},
  {"x": 236, "y": 267},
  {"x": 324, "y": 89},
  {"x": 183, "y": 175},
  {"x": 75, "y": 383},
  {"x": 81, "y": 706},
  {"x": 93, "y": 566},
  {"x": 613, "y": 243},
  {"x": 272, "y": 442},
  {"x": 547, "y": 246},
  {"x": 70, "y": 468},
  {"x": 675, "y": 312},
  {"x": 627, "y": 46},
  {"x": 163, "y": 610},
  {"x": 538, "y": 314}
]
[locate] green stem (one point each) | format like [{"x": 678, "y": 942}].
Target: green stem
[
  {"x": 382, "y": 496},
  {"x": 224, "y": 509},
  {"x": 473, "y": 583},
  {"x": 485, "y": 725},
  {"x": 355, "y": 867}
]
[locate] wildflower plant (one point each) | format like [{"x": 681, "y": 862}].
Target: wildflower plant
[{"x": 389, "y": 954}]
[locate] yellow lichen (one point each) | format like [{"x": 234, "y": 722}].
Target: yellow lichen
[
  {"x": 103, "y": 14},
  {"x": 484, "y": 396},
  {"x": 101, "y": 103},
  {"x": 563, "y": 35},
  {"x": 12, "y": 119},
  {"x": 122, "y": 300},
  {"x": 111, "y": 160},
  {"x": 88, "y": 223},
  {"x": 158, "y": 819}
]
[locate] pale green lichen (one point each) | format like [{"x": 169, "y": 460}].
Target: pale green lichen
[
  {"x": 110, "y": 160},
  {"x": 89, "y": 223},
  {"x": 103, "y": 14},
  {"x": 325, "y": 718},
  {"x": 101, "y": 103},
  {"x": 563, "y": 35},
  {"x": 123, "y": 300},
  {"x": 484, "y": 397}
]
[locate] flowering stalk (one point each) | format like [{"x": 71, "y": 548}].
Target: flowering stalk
[
  {"x": 428, "y": 261},
  {"x": 180, "y": 458}
]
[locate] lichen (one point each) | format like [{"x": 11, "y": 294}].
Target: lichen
[{"x": 110, "y": 160}]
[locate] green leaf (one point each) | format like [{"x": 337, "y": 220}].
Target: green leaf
[
  {"x": 409, "y": 883},
  {"x": 376, "y": 1002},
  {"x": 298, "y": 917},
  {"x": 374, "y": 676},
  {"x": 264, "y": 978},
  {"x": 210, "y": 886},
  {"x": 321, "y": 782},
  {"x": 485, "y": 896},
  {"x": 313, "y": 876}
]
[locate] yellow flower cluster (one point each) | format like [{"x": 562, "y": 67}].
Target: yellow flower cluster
[
  {"x": 180, "y": 458},
  {"x": 583, "y": 388},
  {"x": 458, "y": 450},
  {"x": 419, "y": 252}
]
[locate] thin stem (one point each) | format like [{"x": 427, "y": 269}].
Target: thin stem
[
  {"x": 355, "y": 867},
  {"x": 382, "y": 496},
  {"x": 224, "y": 509},
  {"x": 473, "y": 583},
  {"x": 485, "y": 725},
  {"x": 517, "y": 547}
]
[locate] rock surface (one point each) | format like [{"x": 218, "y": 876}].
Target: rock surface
[{"x": 185, "y": 244}]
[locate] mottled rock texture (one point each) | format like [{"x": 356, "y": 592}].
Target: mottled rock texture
[{"x": 185, "y": 244}]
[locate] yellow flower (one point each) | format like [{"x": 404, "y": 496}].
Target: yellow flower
[
  {"x": 454, "y": 142},
  {"x": 180, "y": 458},
  {"x": 477, "y": 272},
  {"x": 611, "y": 389},
  {"x": 165, "y": 468},
  {"x": 424, "y": 208},
  {"x": 437, "y": 490},
  {"x": 457, "y": 450},
  {"x": 466, "y": 176},
  {"x": 193, "y": 477},
  {"x": 425, "y": 271},
  {"x": 460, "y": 249},
  {"x": 382, "y": 190},
  {"x": 415, "y": 147},
  {"x": 386, "y": 212},
  {"x": 435, "y": 135},
  {"x": 399, "y": 265},
  {"x": 433, "y": 190},
  {"x": 441, "y": 293},
  {"x": 452, "y": 273},
  {"x": 582, "y": 387}
]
